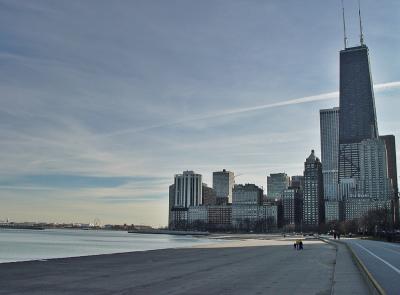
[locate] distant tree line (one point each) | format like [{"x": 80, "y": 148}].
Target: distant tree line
[{"x": 377, "y": 223}]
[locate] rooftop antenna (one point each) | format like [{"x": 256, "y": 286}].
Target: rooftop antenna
[
  {"x": 344, "y": 27},
  {"x": 361, "y": 30}
]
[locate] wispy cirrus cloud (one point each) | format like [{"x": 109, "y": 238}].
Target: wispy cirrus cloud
[
  {"x": 238, "y": 111},
  {"x": 95, "y": 96}
]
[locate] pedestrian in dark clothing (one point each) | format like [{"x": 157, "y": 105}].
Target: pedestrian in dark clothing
[
  {"x": 300, "y": 245},
  {"x": 295, "y": 245},
  {"x": 334, "y": 235}
]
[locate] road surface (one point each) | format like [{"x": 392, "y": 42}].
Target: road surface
[{"x": 382, "y": 259}]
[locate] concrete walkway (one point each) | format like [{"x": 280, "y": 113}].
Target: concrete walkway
[{"x": 347, "y": 278}]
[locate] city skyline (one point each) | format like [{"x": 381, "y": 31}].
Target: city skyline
[{"x": 77, "y": 141}]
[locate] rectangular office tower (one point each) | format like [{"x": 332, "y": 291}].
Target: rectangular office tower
[
  {"x": 223, "y": 182},
  {"x": 357, "y": 108},
  {"x": 329, "y": 126},
  {"x": 188, "y": 189},
  {"x": 276, "y": 184},
  {"x": 357, "y": 103},
  {"x": 363, "y": 159},
  {"x": 313, "y": 198}
]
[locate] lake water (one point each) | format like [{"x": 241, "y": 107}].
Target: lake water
[{"x": 22, "y": 245}]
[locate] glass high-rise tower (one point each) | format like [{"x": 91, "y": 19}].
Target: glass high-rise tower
[
  {"x": 357, "y": 103},
  {"x": 357, "y": 109},
  {"x": 329, "y": 124},
  {"x": 362, "y": 154}
]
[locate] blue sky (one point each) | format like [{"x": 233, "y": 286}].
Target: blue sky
[{"x": 102, "y": 102}]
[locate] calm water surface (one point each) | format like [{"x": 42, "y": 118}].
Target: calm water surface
[{"x": 22, "y": 245}]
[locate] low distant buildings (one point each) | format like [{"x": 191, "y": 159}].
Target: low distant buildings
[
  {"x": 219, "y": 217},
  {"x": 248, "y": 211},
  {"x": 197, "y": 215},
  {"x": 248, "y": 194}
]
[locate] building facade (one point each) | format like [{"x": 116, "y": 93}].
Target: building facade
[
  {"x": 276, "y": 183},
  {"x": 390, "y": 143},
  {"x": 259, "y": 218},
  {"x": 223, "y": 182},
  {"x": 313, "y": 196},
  {"x": 357, "y": 103},
  {"x": 220, "y": 216},
  {"x": 188, "y": 189},
  {"x": 248, "y": 194},
  {"x": 248, "y": 210},
  {"x": 333, "y": 211},
  {"x": 297, "y": 181},
  {"x": 329, "y": 127},
  {"x": 292, "y": 207},
  {"x": 197, "y": 215},
  {"x": 209, "y": 196},
  {"x": 171, "y": 202},
  {"x": 374, "y": 180},
  {"x": 356, "y": 208}
]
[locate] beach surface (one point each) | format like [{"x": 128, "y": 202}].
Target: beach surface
[{"x": 251, "y": 265}]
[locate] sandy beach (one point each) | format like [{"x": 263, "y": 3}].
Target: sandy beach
[{"x": 252, "y": 265}]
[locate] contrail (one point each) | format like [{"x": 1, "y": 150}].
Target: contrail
[{"x": 305, "y": 99}]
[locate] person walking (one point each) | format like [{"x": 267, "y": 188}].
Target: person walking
[{"x": 300, "y": 245}]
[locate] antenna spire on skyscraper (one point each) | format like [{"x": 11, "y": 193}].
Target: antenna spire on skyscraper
[
  {"x": 361, "y": 30},
  {"x": 344, "y": 27}
]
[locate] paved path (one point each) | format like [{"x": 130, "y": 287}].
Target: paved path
[
  {"x": 277, "y": 269},
  {"x": 382, "y": 259},
  {"x": 347, "y": 278}
]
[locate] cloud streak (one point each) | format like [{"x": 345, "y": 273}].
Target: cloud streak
[{"x": 238, "y": 111}]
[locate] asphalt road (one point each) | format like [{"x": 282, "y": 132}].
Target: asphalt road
[
  {"x": 382, "y": 259},
  {"x": 275, "y": 269}
]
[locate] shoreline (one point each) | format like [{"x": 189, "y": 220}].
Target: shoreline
[{"x": 216, "y": 240}]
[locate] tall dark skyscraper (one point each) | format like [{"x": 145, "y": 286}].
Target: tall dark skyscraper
[
  {"x": 364, "y": 181},
  {"x": 357, "y": 104},
  {"x": 313, "y": 197},
  {"x": 357, "y": 108}
]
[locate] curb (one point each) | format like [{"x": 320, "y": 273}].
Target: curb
[
  {"x": 334, "y": 268},
  {"x": 375, "y": 287}
]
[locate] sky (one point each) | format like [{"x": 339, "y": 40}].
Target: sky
[{"x": 102, "y": 102}]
